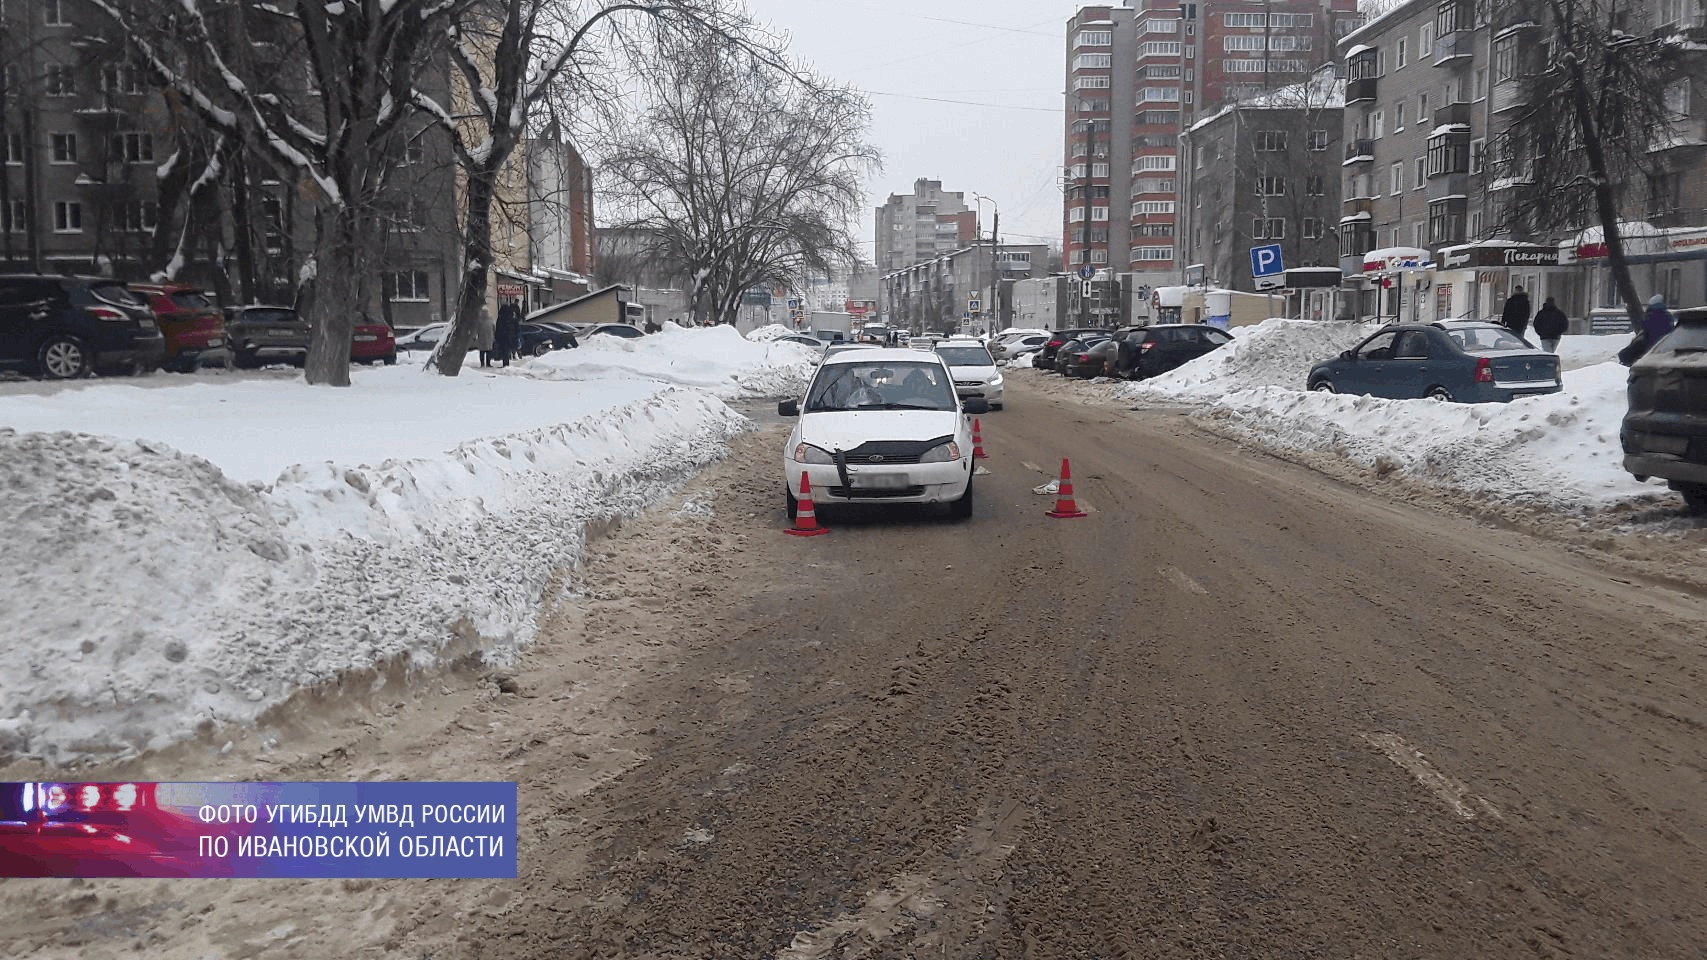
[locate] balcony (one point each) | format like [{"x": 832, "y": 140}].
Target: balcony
[
  {"x": 1454, "y": 48},
  {"x": 1360, "y": 205},
  {"x": 1507, "y": 95},
  {"x": 1444, "y": 186},
  {"x": 1361, "y": 90},
  {"x": 1452, "y": 113},
  {"x": 1688, "y": 133},
  {"x": 1359, "y": 151}
]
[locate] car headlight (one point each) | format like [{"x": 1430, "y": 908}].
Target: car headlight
[
  {"x": 995, "y": 379},
  {"x": 807, "y": 453},
  {"x": 942, "y": 453}
]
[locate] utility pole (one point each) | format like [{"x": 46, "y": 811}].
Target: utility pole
[
  {"x": 992, "y": 306},
  {"x": 1084, "y": 296}
]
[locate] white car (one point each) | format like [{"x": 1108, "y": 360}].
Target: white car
[
  {"x": 881, "y": 426},
  {"x": 975, "y": 371},
  {"x": 1018, "y": 344}
]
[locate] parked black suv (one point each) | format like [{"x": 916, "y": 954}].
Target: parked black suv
[
  {"x": 1665, "y": 431},
  {"x": 59, "y": 327},
  {"x": 1045, "y": 359},
  {"x": 263, "y": 334}
]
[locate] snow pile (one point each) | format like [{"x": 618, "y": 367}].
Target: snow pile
[
  {"x": 717, "y": 359},
  {"x": 149, "y": 593},
  {"x": 769, "y": 332},
  {"x": 1586, "y": 351},
  {"x": 1560, "y": 450},
  {"x": 1275, "y": 353},
  {"x": 1022, "y": 362}
]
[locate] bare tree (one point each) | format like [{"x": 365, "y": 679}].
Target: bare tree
[
  {"x": 510, "y": 56},
  {"x": 359, "y": 60},
  {"x": 1595, "y": 92},
  {"x": 739, "y": 179}
]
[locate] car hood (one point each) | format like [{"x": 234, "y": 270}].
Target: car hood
[
  {"x": 979, "y": 372},
  {"x": 847, "y": 430}
]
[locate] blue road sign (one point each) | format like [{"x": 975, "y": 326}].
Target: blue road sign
[
  {"x": 1266, "y": 267},
  {"x": 1087, "y": 271}
]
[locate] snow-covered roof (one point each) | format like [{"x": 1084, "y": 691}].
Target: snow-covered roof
[
  {"x": 1323, "y": 91},
  {"x": 1448, "y": 196},
  {"x": 1515, "y": 28},
  {"x": 1446, "y": 128},
  {"x": 1355, "y": 217},
  {"x": 1355, "y": 50},
  {"x": 1369, "y": 28}
]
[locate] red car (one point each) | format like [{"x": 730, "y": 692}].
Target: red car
[
  {"x": 192, "y": 324},
  {"x": 373, "y": 341}
]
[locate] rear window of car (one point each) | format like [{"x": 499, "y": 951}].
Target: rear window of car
[
  {"x": 264, "y": 315},
  {"x": 1686, "y": 338},
  {"x": 966, "y": 356},
  {"x": 116, "y": 293},
  {"x": 191, "y": 300},
  {"x": 1486, "y": 337}
]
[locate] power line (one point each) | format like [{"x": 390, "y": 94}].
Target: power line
[
  {"x": 939, "y": 51},
  {"x": 968, "y": 103}
]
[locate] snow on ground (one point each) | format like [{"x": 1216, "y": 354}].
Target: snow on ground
[
  {"x": 193, "y": 555},
  {"x": 1561, "y": 450},
  {"x": 769, "y": 332},
  {"x": 717, "y": 359}
]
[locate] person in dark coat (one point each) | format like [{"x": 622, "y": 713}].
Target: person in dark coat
[
  {"x": 508, "y": 328},
  {"x": 1550, "y": 324},
  {"x": 1515, "y": 316},
  {"x": 1658, "y": 321}
]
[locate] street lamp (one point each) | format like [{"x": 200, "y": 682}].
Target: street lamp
[
  {"x": 1085, "y": 180},
  {"x": 995, "y": 227}
]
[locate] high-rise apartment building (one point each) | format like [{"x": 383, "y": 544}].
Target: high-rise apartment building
[
  {"x": 1137, "y": 76},
  {"x": 914, "y": 227}
]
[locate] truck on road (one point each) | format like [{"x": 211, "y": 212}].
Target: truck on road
[{"x": 827, "y": 323}]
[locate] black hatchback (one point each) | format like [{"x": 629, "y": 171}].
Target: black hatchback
[
  {"x": 60, "y": 327},
  {"x": 1665, "y": 430},
  {"x": 1158, "y": 348},
  {"x": 1045, "y": 359}
]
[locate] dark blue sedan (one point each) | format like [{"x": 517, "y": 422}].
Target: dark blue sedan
[{"x": 1450, "y": 360}]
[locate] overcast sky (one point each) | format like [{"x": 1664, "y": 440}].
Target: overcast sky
[{"x": 1009, "y": 54}]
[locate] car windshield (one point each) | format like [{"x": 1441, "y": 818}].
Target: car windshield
[
  {"x": 1486, "y": 337},
  {"x": 265, "y": 315},
  {"x": 880, "y": 385},
  {"x": 966, "y": 356},
  {"x": 117, "y": 294}
]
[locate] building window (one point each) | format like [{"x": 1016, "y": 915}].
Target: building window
[
  {"x": 1093, "y": 61},
  {"x": 1399, "y": 116},
  {"x": 1099, "y": 170},
  {"x": 1153, "y": 206},
  {"x": 1268, "y": 228},
  {"x": 1422, "y": 107},
  {"x": 272, "y": 224},
  {"x": 1505, "y": 58},
  {"x": 14, "y": 148},
  {"x": 1152, "y": 253},
  {"x": 53, "y": 13},
  {"x": 1099, "y": 256},
  {"x": 1158, "y": 26},
  {"x": 1425, "y": 39},
  {"x": 1244, "y": 19},
  {"x": 61, "y": 80},
  {"x": 1315, "y": 185},
  {"x": 67, "y": 216},
  {"x": 136, "y": 216},
  {"x": 122, "y": 78},
  {"x": 1377, "y": 125},
  {"x": 1419, "y": 234},
  {"x": 1270, "y": 141},
  {"x": 1160, "y": 94},
  {"x": 1318, "y": 140},
  {"x": 63, "y": 148},
  {"x": 1403, "y": 54},
  {"x": 1242, "y": 42},
  {"x": 1159, "y": 48},
  {"x": 12, "y": 216},
  {"x": 133, "y": 147},
  {"x": 1677, "y": 99},
  {"x": 407, "y": 286},
  {"x": 1396, "y": 178},
  {"x": 1478, "y": 153},
  {"x": 1094, "y": 38},
  {"x": 1271, "y": 186},
  {"x": 1422, "y": 173},
  {"x": 1099, "y": 214},
  {"x": 1314, "y": 228},
  {"x": 1155, "y": 162},
  {"x": 1448, "y": 153},
  {"x": 1091, "y": 83}
]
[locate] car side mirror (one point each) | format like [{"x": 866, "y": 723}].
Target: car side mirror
[
  {"x": 788, "y": 408},
  {"x": 1347, "y": 355},
  {"x": 975, "y": 405}
]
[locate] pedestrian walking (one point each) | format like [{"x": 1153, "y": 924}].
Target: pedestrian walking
[
  {"x": 652, "y": 326},
  {"x": 1656, "y": 323},
  {"x": 1515, "y": 316},
  {"x": 1550, "y": 325},
  {"x": 485, "y": 330},
  {"x": 508, "y": 328}
]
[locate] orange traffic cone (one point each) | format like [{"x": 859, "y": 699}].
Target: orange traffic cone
[
  {"x": 1065, "y": 507},
  {"x": 978, "y": 441},
  {"x": 805, "y": 518}
]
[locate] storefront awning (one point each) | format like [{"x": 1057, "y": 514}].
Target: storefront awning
[
  {"x": 1394, "y": 259},
  {"x": 1470, "y": 256}
]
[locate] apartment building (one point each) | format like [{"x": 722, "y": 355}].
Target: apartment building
[
  {"x": 1428, "y": 228},
  {"x": 1266, "y": 171},
  {"x": 939, "y": 293},
  {"x": 930, "y": 221},
  {"x": 1138, "y": 76}
]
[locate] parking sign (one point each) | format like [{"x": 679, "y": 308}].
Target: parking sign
[{"x": 1266, "y": 267}]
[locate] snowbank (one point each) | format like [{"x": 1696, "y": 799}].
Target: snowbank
[
  {"x": 717, "y": 359},
  {"x": 1560, "y": 450},
  {"x": 266, "y": 536},
  {"x": 769, "y": 332}
]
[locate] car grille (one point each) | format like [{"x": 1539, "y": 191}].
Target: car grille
[
  {"x": 968, "y": 383},
  {"x": 866, "y": 493},
  {"x": 892, "y": 451}
]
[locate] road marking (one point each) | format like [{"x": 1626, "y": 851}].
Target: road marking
[
  {"x": 1455, "y": 794},
  {"x": 1182, "y": 581}
]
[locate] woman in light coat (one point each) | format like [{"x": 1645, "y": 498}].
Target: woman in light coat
[{"x": 484, "y": 332}]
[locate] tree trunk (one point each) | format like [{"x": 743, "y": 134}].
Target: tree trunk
[
  {"x": 477, "y": 264},
  {"x": 243, "y": 222},
  {"x": 334, "y": 296}
]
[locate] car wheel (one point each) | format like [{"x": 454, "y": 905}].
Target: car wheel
[
  {"x": 995, "y": 406},
  {"x": 962, "y": 509},
  {"x": 1323, "y": 386},
  {"x": 62, "y": 357},
  {"x": 1439, "y": 394},
  {"x": 1694, "y": 496},
  {"x": 541, "y": 349},
  {"x": 793, "y": 504},
  {"x": 390, "y": 359},
  {"x": 245, "y": 361}
]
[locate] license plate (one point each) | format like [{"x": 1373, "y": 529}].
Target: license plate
[
  {"x": 880, "y": 481},
  {"x": 278, "y": 332},
  {"x": 366, "y": 338},
  {"x": 215, "y": 342}
]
